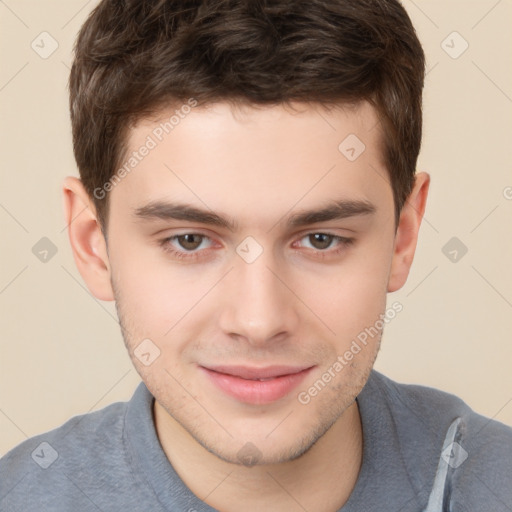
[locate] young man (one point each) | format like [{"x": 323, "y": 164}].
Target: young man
[{"x": 248, "y": 197}]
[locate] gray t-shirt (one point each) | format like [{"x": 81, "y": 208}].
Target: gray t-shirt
[{"x": 424, "y": 451}]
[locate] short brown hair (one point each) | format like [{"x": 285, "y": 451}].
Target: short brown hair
[{"x": 134, "y": 57}]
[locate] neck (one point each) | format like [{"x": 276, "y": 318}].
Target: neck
[{"x": 321, "y": 479}]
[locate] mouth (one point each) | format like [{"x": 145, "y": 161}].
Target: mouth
[{"x": 256, "y": 386}]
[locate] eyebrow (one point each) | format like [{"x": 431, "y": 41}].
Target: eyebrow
[{"x": 335, "y": 210}]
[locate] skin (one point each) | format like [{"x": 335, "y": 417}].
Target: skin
[{"x": 298, "y": 303}]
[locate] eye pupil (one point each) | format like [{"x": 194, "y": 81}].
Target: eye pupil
[
  {"x": 187, "y": 241},
  {"x": 321, "y": 238}
]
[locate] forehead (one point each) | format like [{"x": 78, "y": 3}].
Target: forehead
[
  {"x": 264, "y": 122},
  {"x": 273, "y": 157}
]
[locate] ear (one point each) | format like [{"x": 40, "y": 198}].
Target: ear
[
  {"x": 86, "y": 238},
  {"x": 407, "y": 232}
]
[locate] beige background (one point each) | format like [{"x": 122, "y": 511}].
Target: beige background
[{"x": 61, "y": 350}]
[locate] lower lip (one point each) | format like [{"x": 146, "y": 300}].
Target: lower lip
[{"x": 256, "y": 391}]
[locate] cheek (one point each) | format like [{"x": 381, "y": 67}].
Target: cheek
[
  {"x": 352, "y": 296},
  {"x": 160, "y": 301},
  {"x": 148, "y": 295}
]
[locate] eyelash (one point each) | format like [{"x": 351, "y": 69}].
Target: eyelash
[{"x": 192, "y": 255}]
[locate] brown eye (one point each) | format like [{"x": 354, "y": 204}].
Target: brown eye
[
  {"x": 190, "y": 241},
  {"x": 320, "y": 240}
]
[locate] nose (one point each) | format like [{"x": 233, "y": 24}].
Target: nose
[{"x": 258, "y": 306}]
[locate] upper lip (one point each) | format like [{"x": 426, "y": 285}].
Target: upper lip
[{"x": 267, "y": 372}]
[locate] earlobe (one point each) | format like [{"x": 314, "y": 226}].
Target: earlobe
[
  {"x": 407, "y": 233},
  {"x": 86, "y": 239}
]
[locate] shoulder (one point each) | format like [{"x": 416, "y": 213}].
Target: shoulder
[
  {"x": 52, "y": 467},
  {"x": 436, "y": 409},
  {"x": 477, "y": 452}
]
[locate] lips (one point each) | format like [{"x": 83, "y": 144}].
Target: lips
[
  {"x": 269, "y": 372},
  {"x": 256, "y": 385}
]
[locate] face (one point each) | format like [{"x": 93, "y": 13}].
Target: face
[{"x": 239, "y": 310}]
